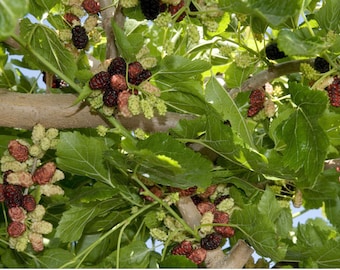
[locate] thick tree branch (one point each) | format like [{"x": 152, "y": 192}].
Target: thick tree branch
[{"x": 20, "y": 110}]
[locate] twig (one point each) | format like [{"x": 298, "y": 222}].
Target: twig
[
  {"x": 109, "y": 12},
  {"x": 274, "y": 71}
]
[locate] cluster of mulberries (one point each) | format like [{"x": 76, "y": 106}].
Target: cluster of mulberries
[
  {"x": 214, "y": 204},
  {"x": 333, "y": 91},
  {"x": 22, "y": 173},
  {"x": 77, "y": 33},
  {"x": 125, "y": 86},
  {"x": 257, "y": 100}
]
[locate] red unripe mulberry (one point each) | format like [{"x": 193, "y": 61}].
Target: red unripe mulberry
[
  {"x": 44, "y": 174},
  {"x": 18, "y": 151},
  {"x": 15, "y": 229}
]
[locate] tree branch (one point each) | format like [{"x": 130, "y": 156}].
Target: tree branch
[
  {"x": 274, "y": 71},
  {"x": 109, "y": 12}
]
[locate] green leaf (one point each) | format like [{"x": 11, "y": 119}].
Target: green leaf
[
  {"x": 316, "y": 243},
  {"x": 46, "y": 43},
  {"x": 134, "y": 255},
  {"x": 55, "y": 258},
  {"x": 328, "y": 16},
  {"x": 306, "y": 141},
  {"x": 268, "y": 205},
  {"x": 275, "y": 13},
  {"x": 10, "y": 12},
  {"x": 74, "y": 220},
  {"x": 127, "y": 48},
  {"x": 260, "y": 232},
  {"x": 177, "y": 261},
  {"x": 83, "y": 155},
  {"x": 300, "y": 43},
  {"x": 216, "y": 95},
  {"x": 182, "y": 68},
  {"x": 169, "y": 162},
  {"x": 235, "y": 76}
]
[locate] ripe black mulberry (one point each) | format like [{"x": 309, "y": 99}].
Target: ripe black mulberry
[
  {"x": 211, "y": 241},
  {"x": 13, "y": 195},
  {"x": 110, "y": 97},
  {"x": 117, "y": 66},
  {"x": 273, "y": 52},
  {"x": 150, "y": 8},
  {"x": 79, "y": 37},
  {"x": 100, "y": 80},
  {"x": 321, "y": 65}
]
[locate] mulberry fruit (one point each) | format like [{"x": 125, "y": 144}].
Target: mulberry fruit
[
  {"x": 225, "y": 231},
  {"x": 134, "y": 70},
  {"x": 220, "y": 199},
  {"x": 13, "y": 195},
  {"x": 18, "y": 151},
  {"x": 198, "y": 255},
  {"x": 211, "y": 241},
  {"x": 321, "y": 65},
  {"x": 184, "y": 248},
  {"x": 256, "y": 99},
  {"x": 196, "y": 199},
  {"x": 15, "y": 229},
  {"x": 118, "y": 82},
  {"x": 91, "y": 6},
  {"x": 273, "y": 52},
  {"x": 334, "y": 92},
  {"x": 44, "y": 174},
  {"x": 28, "y": 203},
  {"x": 99, "y": 80},
  {"x": 221, "y": 217},
  {"x": 110, "y": 97},
  {"x": 150, "y": 8},
  {"x": 117, "y": 66},
  {"x": 173, "y": 9},
  {"x": 205, "y": 207},
  {"x": 70, "y": 18},
  {"x": 79, "y": 37}
]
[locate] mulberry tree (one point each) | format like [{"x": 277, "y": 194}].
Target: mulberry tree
[{"x": 169, "y": 133}]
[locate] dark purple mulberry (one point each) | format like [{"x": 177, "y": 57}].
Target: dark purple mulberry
[
  {"x": 211, "y": 241},
  {"x": 13, "y": 195},
  {"x": 321, "y": 65},
  {"x": 117, "y": 66},
  {"x": 110, "y": 97},
  {"x": 79, "y": 37},
  {"x": 150, "y": 8},
  {"x": 100, "y": 80},
  {"x": 273, "y": 52}
]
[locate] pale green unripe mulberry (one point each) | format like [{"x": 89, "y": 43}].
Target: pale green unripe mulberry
[
  {"x": 147, "y": 108},
  {"x": 95, "y": 35},
  {"x": 193, "y": 34},
  {"x": 96, "y": 102},
  {"x": 52, "y": 133},
  {"x": 160, "y": 215},
  {"x": 14, "y": 166},
  {"x": 140, "y": 134},
  {"x": 243, "y": 60},
  {"x": 51, "y": 190},
  {"x": 148, "y": 87},
  {"x": 172, "y": 198},
  {"x": 309, "y": 72},
  {"x": 161, "y": 107},
  {"x": 206, "y": 223},
  {"x": 45, "y": 144},
  {"x": 38, "y": 133},
  {"x": 91, "y": 22},
  {"x": 37, "y": 214},
  {"x": 54, "y": 143},
  {"x": 102, "y": 130},
  {"x": 158, "y": 234},
  {"x": 36, "y": 151},
  {"x": 42, "y": 227},
  {"x": 128, "y": 3},
  {"x": 148, "y": 62},
  {"x": 65, "y": 34},
  {"x": 227, "y": 206},
  {"x": 179, "y": 237},
  {"x": 77, "y": 10},
  {"x": 57, "y": 176},
  {"x": 134, "y": 105},
  {"x": 108, "y": 111},
  {"x": 144, "y": 51},
  {"x": 163, "y": 20},
  {"x": 171, "y": 223}
]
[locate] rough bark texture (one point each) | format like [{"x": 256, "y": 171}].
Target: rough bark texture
[{"x": 20, "y": 110}]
